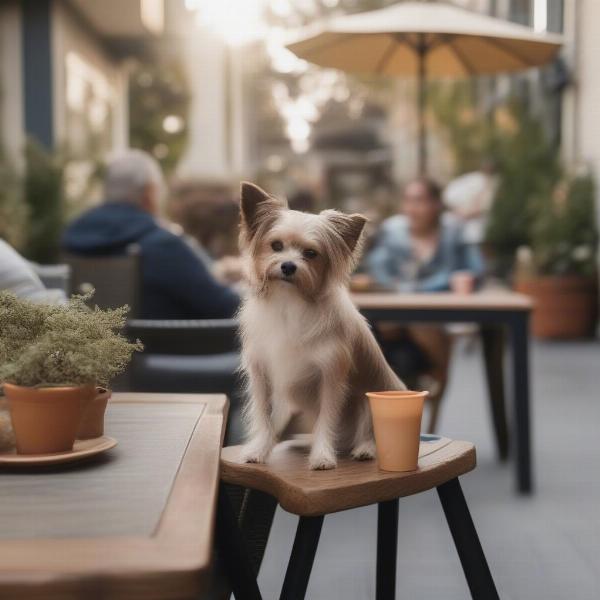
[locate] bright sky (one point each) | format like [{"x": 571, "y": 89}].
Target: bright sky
[
  {"x": 242, "y": 21},
  {"x": 237, "y": 21}
]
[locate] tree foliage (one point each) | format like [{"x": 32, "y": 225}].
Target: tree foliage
[
  {"x": 158, "y": 90},
  {"x": 526, "y": 161},
  {"x": 529, "y": 167}
]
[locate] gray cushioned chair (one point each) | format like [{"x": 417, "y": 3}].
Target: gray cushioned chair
[{"x": 116, "y": 279}]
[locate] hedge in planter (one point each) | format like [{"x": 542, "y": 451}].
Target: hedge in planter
[{"x": 560, "y": 269}]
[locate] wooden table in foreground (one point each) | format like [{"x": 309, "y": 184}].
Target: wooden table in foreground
[
  {"x": 136, "y": 522},
  {"x": 494, "y": 312}
]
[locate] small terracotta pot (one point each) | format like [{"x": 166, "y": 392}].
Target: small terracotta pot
[
  {"x": 397, "y": 425},
  {"x": 45, "y": 420},
  {"x": 92, "y": 420}
]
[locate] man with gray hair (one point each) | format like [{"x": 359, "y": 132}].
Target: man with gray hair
[
  {"x": 134, "y": 176},
  {"x": 176, "y": 284}
]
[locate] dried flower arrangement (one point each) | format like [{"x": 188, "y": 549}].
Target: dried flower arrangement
[{"x": 45, "y": 345}]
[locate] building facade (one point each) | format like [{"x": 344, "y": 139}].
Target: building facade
[
  {"x": 581, "y": 124},
  {"x": 63, "y": 71}
]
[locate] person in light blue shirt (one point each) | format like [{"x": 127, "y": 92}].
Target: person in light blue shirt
[{"x": 420, "y": 249}]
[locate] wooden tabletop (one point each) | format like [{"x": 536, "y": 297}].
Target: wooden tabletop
[
  {"x": 301, "y": 491},
  {"x": 480, "y": 301},
  {"x": 136, "y": 522}
]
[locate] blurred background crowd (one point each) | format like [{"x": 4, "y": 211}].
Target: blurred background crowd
[{"x": 212, "y": 99}]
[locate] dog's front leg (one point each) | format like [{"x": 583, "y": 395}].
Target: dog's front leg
[
  {"x": 332, "y": 397},
  {"x": 257, "y": 416},
  {"x": 363, "y": 447}
]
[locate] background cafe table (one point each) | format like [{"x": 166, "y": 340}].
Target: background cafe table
[
  {"x": 136, "y": 522},
  {"x": 493, "y": 311}
]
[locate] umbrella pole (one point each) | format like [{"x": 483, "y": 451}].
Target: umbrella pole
[{"x": 422, "y": 105}]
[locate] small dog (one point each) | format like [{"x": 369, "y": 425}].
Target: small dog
[{"x": 304, "y": 344}]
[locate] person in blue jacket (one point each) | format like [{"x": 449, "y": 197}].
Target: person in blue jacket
[
  {"x": 176, "y": 282},
  {"x": 420, "y": 249}
]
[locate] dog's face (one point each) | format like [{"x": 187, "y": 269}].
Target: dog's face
[{"x": 290, "y": 248}]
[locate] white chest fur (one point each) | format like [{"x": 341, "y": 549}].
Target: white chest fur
[
  {"x": 286, "y": 337},
  {"x": 276, "y": 331}
]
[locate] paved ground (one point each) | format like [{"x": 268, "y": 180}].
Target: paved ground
[{"x": 546, "y": 547}]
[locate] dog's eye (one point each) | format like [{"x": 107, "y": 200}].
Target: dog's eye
[
  {"x": 310, "y": 253},
  {"x": 277, "y": 246}
]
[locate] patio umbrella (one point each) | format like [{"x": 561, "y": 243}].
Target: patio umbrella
[{"x": 425, "y": 39}]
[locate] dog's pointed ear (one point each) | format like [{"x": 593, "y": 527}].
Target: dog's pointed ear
[
  {"x": 348, "y": 227},
  {"x": 251, "y": 197},
  {"x": 255, "y": 204}
]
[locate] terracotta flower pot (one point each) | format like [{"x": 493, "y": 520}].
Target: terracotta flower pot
[
  {"x": 397, "y": 425},
  {"x": 45, "y": 420},
  {"x": 92, "y": 420},
  {"x": 564, "y": 307}
]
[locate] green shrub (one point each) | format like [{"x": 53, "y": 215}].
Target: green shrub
[
  {"x": 527, "y": 163},
  {"x": 529, "y": 167},
  {"x": 44, "y": 195},
  {"x": 13, "y": 211},
  {"x": 61, "y": 345},
  {"x": 564, "y": 236}
]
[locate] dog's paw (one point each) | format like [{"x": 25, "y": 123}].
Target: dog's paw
[
  {"x": 255, "y": 454},
  {"x": 256, "y": 458},
  {"x": 364, "y": 451},
  {"x": 322, "y": 461}
]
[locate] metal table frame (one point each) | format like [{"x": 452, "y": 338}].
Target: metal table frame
[{"x": 516, "y": 322}]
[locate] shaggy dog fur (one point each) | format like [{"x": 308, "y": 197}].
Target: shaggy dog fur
[{"x": 304, "y": 344}]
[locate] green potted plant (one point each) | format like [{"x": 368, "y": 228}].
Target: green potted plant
[
  {"x": 528, "y": 167},
  {"x": 52, "y": 359},
  {"x": 43, "y": 193},
  {"x": 559, "y": 268}
]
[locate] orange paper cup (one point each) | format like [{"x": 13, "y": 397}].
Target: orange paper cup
[
  {"x": 462, "y": 282},
  {"x": 397, "y": 425}
]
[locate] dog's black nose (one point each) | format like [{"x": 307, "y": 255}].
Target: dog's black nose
[{"x": 288, "y": 268}]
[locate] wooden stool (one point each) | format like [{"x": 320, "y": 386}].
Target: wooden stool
[{"x": 313, "y": 494}]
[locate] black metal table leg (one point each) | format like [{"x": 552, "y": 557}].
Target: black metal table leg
[
  {"x": 302, "y": 558},
  {"x": 255, "y": 521},
  {"x": 520, "y": 353},
  {"x": 467, "y": 543},
  {"x": 233, "y": 553},
  {"x": 492, "y": 338},
  {"x": 387, "y": 549}
]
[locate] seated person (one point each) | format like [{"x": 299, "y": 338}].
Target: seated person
[
  {"x": 208, "y": 212},
  {"x": 176, "y": 282},
  {"x": 471, "y": 197},
  {"x": 419, "y": 251},
  {"x": 19, "y": 277}
]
